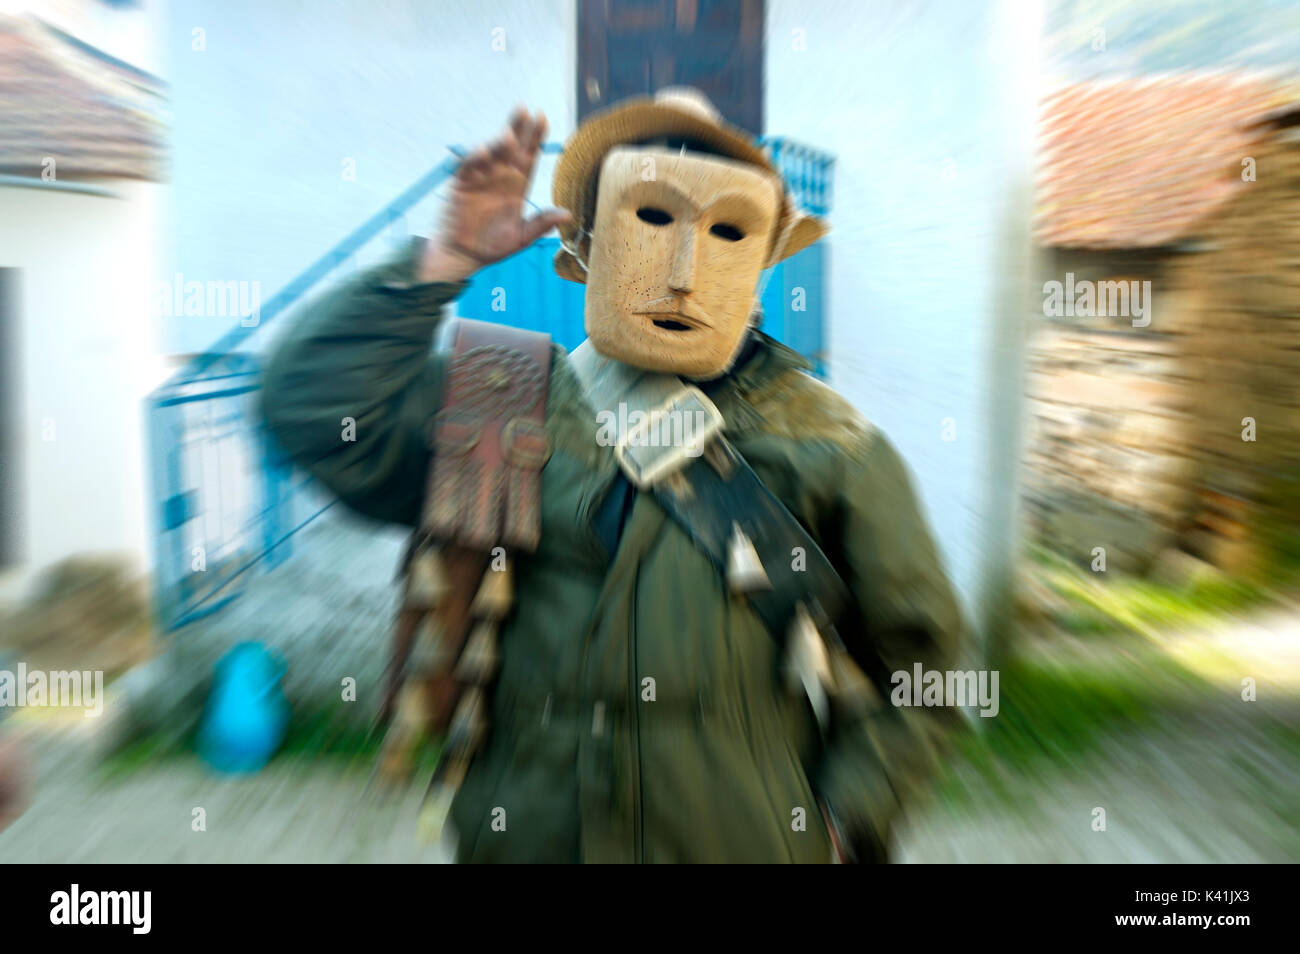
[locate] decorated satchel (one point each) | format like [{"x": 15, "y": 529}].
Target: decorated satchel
[{"x": 482, "y": 505}]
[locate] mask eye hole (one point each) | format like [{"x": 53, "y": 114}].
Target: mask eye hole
[
  {"x": 728, "y": 232},
  {"x": 652, "y": 215}
]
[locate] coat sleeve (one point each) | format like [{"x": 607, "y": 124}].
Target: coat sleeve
[
  {"x": 905, "y": 613},
  {"x": 349, "y": 390}
]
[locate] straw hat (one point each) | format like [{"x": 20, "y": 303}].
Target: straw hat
[{"x": 676, "y": 112}]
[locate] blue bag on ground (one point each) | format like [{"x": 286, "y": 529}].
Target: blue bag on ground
[{"x": 247, "y": 714}]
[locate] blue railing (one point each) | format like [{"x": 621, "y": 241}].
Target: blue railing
[
  {"x": 808, "y": 173},
  {"x": 227, "y": 502}
]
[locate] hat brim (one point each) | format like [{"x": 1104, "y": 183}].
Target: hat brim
[{"x": 575, "y": 181}]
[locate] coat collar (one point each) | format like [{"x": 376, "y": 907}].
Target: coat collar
[{"x": 763, "y": 360}]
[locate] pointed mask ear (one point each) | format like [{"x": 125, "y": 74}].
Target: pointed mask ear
[
  {"x": 569, "y": 267},
  {"x": 800, "y": 232},
  {"x": 571, "y": 258}
]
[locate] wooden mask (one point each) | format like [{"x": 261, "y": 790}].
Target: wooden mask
[{"x": 677, "y": 246}]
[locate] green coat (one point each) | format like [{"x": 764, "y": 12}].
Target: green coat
[{"x": 726, "y": 760}]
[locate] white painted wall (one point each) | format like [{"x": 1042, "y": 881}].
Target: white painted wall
[
  {"x": 282, "y": 93},
  {"x": 86, "y": 360},
  {"x": 923, "y": 251}
]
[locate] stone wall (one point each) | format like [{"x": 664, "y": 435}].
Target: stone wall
[
  {"x": 1244, "y": 355},
  {"x": 1109, "y": 417},
  {"x": 1186, "y": 433}
]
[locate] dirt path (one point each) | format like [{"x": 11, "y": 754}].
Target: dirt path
[
  {"x": 1213, "y": 789},
  {"x": 1195, "y": 794},
  {"x": 289, "y": 812},
  {"x": 1214, "y": 779}
]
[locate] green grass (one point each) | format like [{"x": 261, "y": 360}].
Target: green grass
[
  {"x": 316, "y": 734},
  {"x": 1062, "y": 699},
  {"x": 150, "y": 750},
  {"x": 311, "y": 735},
  {"x": 1112, "y": 603},
  {"x": 1054, "y": 715}
]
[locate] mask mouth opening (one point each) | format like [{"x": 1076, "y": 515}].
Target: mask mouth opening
[{"x": 671, "y": 324}]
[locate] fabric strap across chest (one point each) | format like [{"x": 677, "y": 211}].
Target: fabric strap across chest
[{"x": 712, "y": 494}]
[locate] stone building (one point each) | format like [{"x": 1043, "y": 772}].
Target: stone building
[{"x": 1168, "y": 227}]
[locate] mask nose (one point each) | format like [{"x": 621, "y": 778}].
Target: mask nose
[{"x": 682, "y": 278}]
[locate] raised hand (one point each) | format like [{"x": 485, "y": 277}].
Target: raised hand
[{"x": 484, "y": 221}]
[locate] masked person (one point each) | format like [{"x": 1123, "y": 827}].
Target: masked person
[{"x": 693, "y": 567}]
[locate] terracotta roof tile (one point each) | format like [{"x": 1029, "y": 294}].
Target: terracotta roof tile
[
  {"x": 48, "y": 108},
  {"x": 1140, "y": 163}
]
